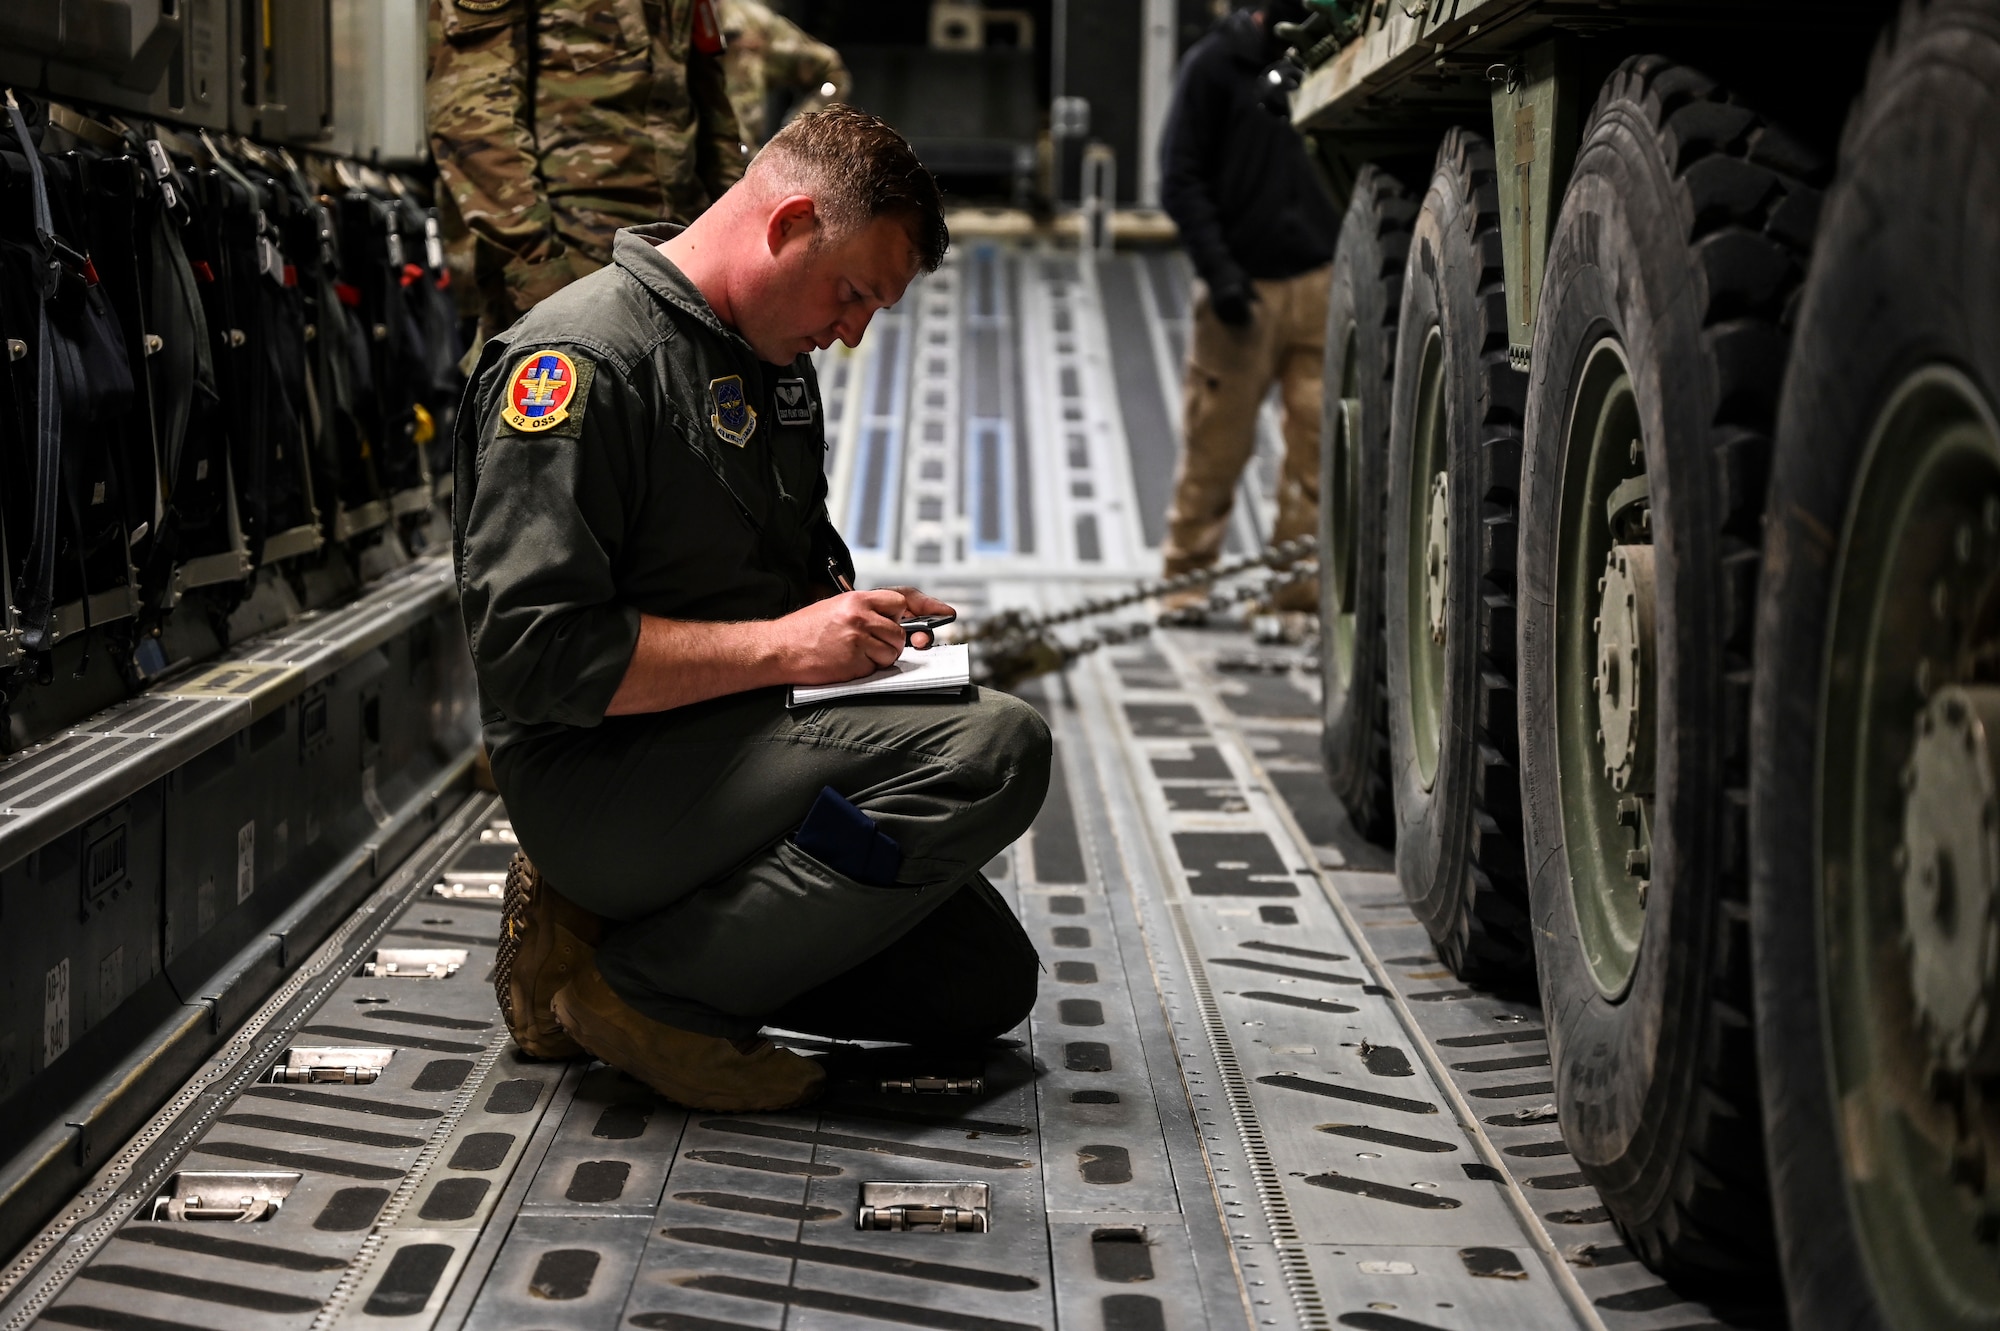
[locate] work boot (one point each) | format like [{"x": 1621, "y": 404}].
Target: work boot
[
  {"x": 546, "y": 940},
  {"x": 696, "y": 1071},
  {"x": 1301, "y": 597},
  {"x": 1186, "y": 608}
]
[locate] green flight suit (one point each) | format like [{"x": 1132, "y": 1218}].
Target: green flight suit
[{"x": 623, "y": 451}]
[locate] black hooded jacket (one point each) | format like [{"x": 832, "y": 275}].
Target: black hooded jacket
[{"x": 1236, "y": 178}]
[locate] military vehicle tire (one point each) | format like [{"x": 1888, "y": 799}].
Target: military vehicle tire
[
  {"x": 1453, "y": 467},
  {"x": 1659, "y": 346},
  {"x": 1362, "y": 306},
  {"x": 1877, "y": 613}
]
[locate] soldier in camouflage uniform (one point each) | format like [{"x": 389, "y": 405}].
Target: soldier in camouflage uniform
[
  {"x": 614, "y": 114},
  {"x": 767, "y": 50}
]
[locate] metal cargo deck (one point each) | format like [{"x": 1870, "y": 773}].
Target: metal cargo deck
[{"x": 1248, "y": 1097}]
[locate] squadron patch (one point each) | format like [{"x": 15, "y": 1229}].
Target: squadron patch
[
  {"x": 539, "y": 392},
  {"x": 795, "y": 405},
  {"x": 733, "y": 418}
]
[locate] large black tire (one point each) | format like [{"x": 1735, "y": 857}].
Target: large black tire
[
  {"x": 1682, "y": 238},
  {"x": 1458, "y": 848},
  {"x": 1362, "y": 307},
  {"x": 1905, "y": 275}
]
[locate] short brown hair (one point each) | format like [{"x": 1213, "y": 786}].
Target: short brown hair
[{"x": 857, "y": 169}]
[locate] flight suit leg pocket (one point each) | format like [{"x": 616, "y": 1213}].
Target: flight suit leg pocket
[{"x": 785, "y": 924}]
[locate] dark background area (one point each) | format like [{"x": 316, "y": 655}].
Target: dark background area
[{"x": 980, "y": 118}]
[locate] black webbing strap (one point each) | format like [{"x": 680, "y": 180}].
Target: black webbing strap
[
  {"x": 184, "y": 364},
  {"x": 38, "y": 579},
  {"x": 121, "y": 210}
]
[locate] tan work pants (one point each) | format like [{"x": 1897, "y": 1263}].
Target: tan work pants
[{"x": 1229, "y": 371}]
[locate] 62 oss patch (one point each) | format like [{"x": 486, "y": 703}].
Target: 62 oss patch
[
  {"x": 541, "y": 392},
  {"x": 733, "y": 418}
]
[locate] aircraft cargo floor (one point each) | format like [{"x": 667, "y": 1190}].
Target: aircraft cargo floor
[{"x": 1248, "y": 1096}]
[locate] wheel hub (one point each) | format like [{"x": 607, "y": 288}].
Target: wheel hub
[
  {"x": 1624, "y": 680},
  {"x": 1950, "y": 860},
  {"x": 1437, "y": 556}
]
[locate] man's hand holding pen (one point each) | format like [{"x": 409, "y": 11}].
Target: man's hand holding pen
[{"x": 851, "y": 633}]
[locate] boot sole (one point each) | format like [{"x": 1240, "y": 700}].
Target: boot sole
[{"x": 609, "y": 1052}]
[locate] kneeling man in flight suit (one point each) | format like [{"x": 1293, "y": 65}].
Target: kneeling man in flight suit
[{"x": 645, "y": 560}]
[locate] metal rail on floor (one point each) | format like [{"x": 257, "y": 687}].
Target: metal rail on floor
[{"x": 131, "y": 1179}]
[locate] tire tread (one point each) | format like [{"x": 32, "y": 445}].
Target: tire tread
[
  {"x": 1750, "y": 194},
  {"x": 1493, "y": 943},
  {"x": 1356, "y": 753}
]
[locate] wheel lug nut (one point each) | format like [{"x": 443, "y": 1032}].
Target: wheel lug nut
[
  {"x": 1638, "y": 863},
  {"x": 1628, "y": 812}
]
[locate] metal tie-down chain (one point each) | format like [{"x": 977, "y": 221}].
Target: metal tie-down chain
[{"x": 1011, "y": 646}]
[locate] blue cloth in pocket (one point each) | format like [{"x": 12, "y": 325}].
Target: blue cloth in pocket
[{"x": 847, "y": 841}]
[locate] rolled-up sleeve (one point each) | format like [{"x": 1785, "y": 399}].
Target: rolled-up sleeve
[{"x": 538, "y": 547}]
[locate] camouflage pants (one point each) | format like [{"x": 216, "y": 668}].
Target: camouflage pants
[{"x": 1229, "y": 372}]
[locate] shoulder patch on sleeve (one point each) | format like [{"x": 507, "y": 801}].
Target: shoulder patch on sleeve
[{"x": 547, "y": 393}]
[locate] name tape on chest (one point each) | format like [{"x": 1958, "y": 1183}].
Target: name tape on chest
[
  {"x": 734, "y": 419},
  {"x": 795, "y": 404},
  {"x": 540, "y": 392}
]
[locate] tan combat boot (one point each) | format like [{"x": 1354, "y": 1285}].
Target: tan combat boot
[
  {"x": 696, "y": 1071},
  {"x": 1296, "y": 597},
  {"x": 1187, "y": 608},
  {"x": 546, "y": 940}
]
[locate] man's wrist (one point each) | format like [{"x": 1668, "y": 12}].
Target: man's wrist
[{"x": 770, "y": 653}]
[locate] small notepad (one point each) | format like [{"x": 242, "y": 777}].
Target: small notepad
[{"x": 935, "y": 670}]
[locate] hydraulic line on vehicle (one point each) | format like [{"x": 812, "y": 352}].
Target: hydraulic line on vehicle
[{"x": 1011, "y": 646}]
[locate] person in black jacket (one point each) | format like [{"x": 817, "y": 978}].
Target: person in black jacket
[{"x": 1260, "y": 230}]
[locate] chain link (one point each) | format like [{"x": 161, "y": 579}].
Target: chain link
[{"x": 1011, "y": 646}]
